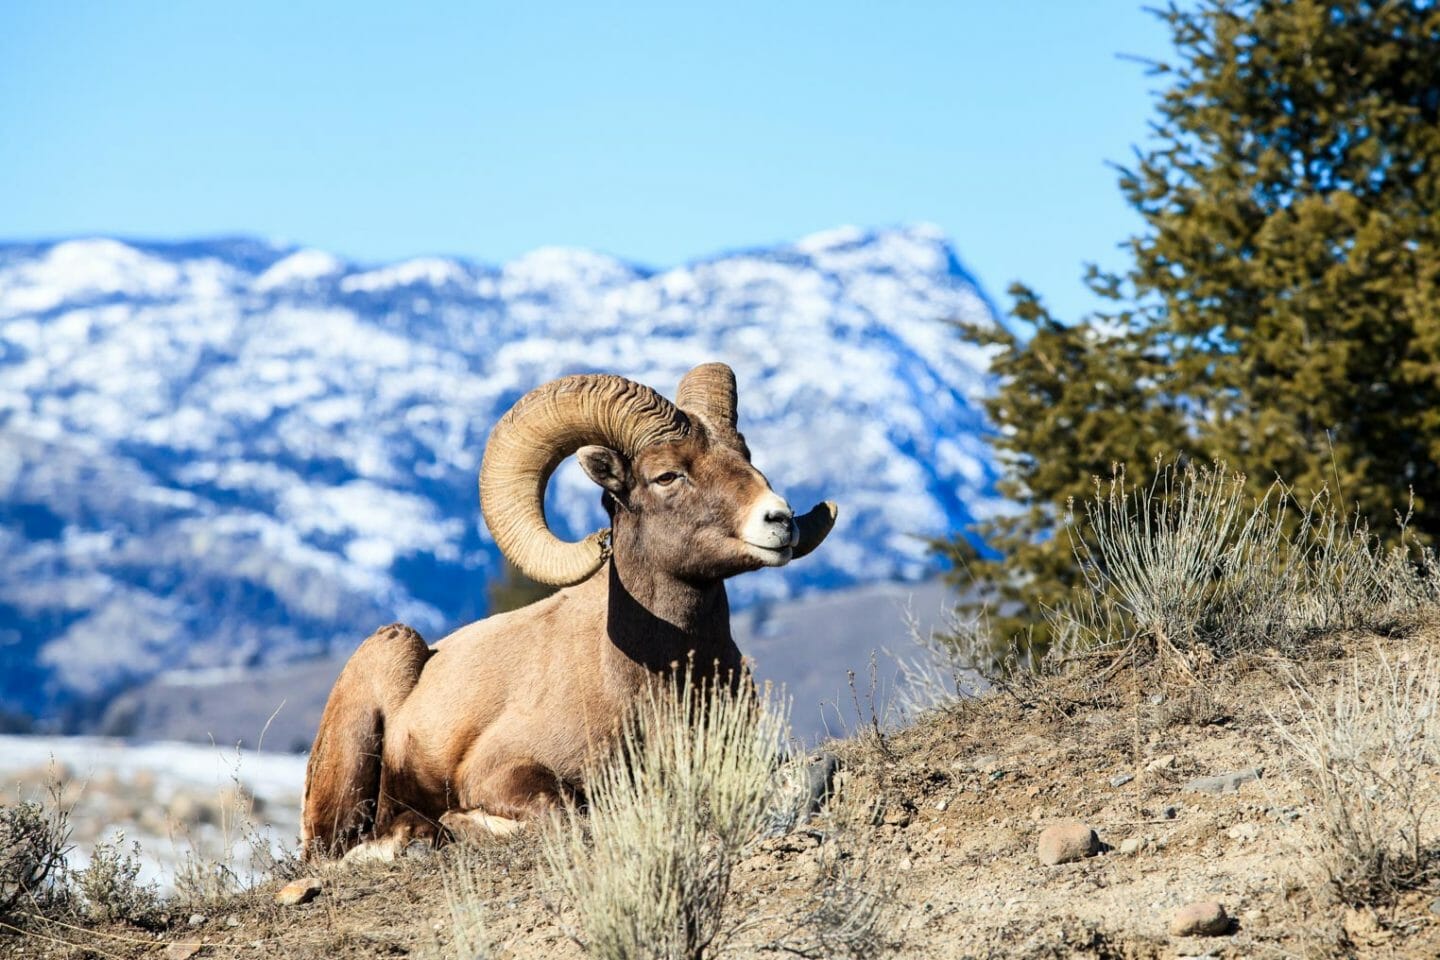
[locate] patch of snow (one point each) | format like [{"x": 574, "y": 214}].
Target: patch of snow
[
  {"x": 301, "y": 267},
  {"x": 423, "y": 271}
]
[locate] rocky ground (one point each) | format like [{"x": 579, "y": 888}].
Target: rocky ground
[
  {"x": 177, "y": 800},
  {"x": 978, "y": 822}
]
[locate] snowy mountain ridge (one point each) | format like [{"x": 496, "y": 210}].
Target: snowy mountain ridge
[{"x": 224, "y": 453}]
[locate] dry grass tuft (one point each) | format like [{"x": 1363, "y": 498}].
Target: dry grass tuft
[
  {"x": 34, "y": 841},
  {"x": 669, "y": 817},
  {"x": 1192, "y": 568},
  {"x": 690, "y": 794},
  {"x": 245, "y": 854},
  {"x": 850, "y": 905},
  {"x": 1370, "y": 760},
  {"x": 110, "y": 887}
]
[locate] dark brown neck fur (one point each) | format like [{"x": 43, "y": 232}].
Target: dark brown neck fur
[{"x": 657, "y": 621}]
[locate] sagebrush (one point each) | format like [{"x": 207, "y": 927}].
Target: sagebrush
[
  {"x": 1194, "y": 566},
  {"x": 1369, "y": 755},
  {"x": 34, "y": 842}
]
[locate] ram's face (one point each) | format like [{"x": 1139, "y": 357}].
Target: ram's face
[{"x": 696, "y": 508}]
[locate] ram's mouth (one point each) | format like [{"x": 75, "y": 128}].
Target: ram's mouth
[{"x": 769, "y": 556}]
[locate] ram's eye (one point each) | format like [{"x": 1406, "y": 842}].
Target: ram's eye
[{"x": 666, "y": 478}]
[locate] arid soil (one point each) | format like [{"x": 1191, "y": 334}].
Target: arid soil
[{"x": 946, "y": 815}]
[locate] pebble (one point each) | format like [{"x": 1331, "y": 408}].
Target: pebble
[
  {"x": 1244, "y": 832},
  {"x": 1435, "y": 907},
  {"x": 1161, "y": 763},
  {"x": 298, "y": 892},
  {"x": 196, "y": 919},
  {"x": 1132, "y": 846},
  {"x": 1066, "y": 841},
  {"x": 1224, "y": 782},
  {"x": 418, "y": 850},
  {"x": 941, "y": 805},
  {"x": 1120, "y": 779},
  {"x": 182, "y": 951},
  {"x": 1204, "y": 919},
  {"x": 896, "y": 816}
]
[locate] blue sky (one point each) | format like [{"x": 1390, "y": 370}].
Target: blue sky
[{"x": 656, "y": 132}]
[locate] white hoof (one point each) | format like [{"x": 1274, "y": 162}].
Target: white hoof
[
  {"x": 381, "y": 850},
  {"x": 475, "y": 823}
]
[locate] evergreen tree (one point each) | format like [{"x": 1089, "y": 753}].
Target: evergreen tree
[
  {"x": 1290, "y": 263},
  {"x": 1074, "y": 402},
  {"x": 1282, "y": 306}
]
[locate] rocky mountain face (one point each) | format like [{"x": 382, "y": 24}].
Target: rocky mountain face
[{"x": 223, "y": 454}]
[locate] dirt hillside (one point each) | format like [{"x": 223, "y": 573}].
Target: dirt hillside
[{"x": 1186, "y": 781}]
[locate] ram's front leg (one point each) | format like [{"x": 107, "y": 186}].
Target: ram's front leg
[
  {"x": 498, "y": 797},
  {"x": 401, "y": 831}
]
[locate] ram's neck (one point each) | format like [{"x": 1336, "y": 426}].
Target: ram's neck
[{"x": 656, "y": 620}]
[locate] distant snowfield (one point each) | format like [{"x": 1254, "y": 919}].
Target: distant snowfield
[{"x": 176, "y": 765}]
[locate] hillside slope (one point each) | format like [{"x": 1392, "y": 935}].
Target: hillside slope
[
  {"x": 221, "y": 454},
  {"x": 960, "y": 800}
]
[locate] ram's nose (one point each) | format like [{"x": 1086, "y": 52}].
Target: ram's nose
[{"x": 771, "y": 523}]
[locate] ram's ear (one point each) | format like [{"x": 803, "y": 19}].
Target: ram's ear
[{"x": 607, "y": 468}]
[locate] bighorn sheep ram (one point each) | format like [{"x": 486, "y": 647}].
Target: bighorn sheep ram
[{"x": 493, "y": 724}]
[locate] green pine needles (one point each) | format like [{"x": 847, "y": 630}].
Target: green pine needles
[{"x": 1281, "y": 307}]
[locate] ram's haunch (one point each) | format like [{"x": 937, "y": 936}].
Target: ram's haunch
[{"x": 493, "y": 724}]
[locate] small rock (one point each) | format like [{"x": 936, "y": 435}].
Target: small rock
[
  {"x": 1132, "y": 846},
  {"x": 1224, "y": 782},
  {"x": 298, "y": 891},
  {"x": 182, "y": 951},
  {"x": 232, "y": 922},
  {"x": 985, "y": 763},
  {"x": 1204, "y": 919},
  {"x": 1161, "y": 763},
  {"x": 1120, "y": 779},
  {"x": 896, "y": 816},
  {"x": 941, "y": 805},
  {"x": 1244, "y": 832},
  {"x": 196, "y": 919},
  {"x": 1169, "y": 813},
  {"x": 819, "y": 783},
  {"x": 1067, "y": 841},
  {"x": 1435, "y": 907},
  {"x": 418, "y": 850}
]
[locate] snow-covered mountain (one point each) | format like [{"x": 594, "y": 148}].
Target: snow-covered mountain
[{"x": 224, "y": 453}]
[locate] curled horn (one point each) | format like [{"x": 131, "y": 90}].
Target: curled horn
[
  {"x": 544, "y": 427},
  {"x": 814, "y": 527},
  {"x": 709, "y": 390}
]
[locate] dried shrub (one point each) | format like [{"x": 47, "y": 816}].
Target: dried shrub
[
  {"x": 1192, "y": 567},
  {"x": 34, "y": 841},
  {"x": 849, "y": 907},
  {"x": 110, "y": 887},
  {"x": 1369, "y": 753},
  {"x": 471, "y": 872},
  {"x": 945, "y": 666},
  {"x": 669, "y": 817},
  {"x": 243, "y": 853}
]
